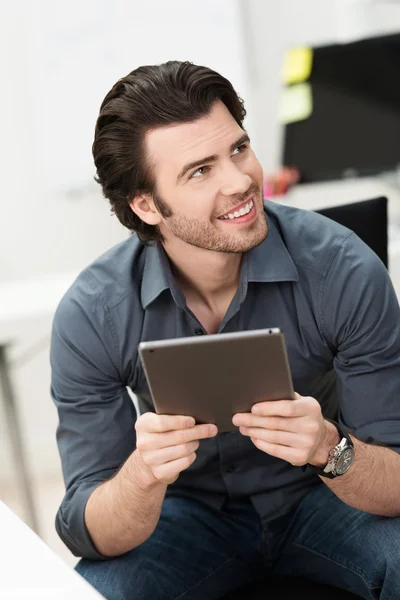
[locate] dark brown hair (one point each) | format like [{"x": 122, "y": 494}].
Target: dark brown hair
[{"x": 150, "y": 97}]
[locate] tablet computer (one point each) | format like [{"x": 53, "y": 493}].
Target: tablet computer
[{"x": 212, "y": 377}]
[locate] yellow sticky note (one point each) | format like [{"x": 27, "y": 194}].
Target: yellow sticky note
[
  {"x": 296, "y": 103},
  {"x": 297, "y": 65}
]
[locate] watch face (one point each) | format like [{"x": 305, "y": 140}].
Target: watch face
[{"x": 345, "y": 461}]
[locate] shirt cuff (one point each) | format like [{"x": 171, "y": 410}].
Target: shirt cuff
[
  {"x": 70, "y": 522},
  {"x": 381, "y": 433}
]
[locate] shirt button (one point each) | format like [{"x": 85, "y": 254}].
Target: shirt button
[
  {"x": 231, "y": 469},
  {"x": 199, "y": 331}
]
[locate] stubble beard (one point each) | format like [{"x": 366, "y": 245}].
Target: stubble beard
[{"x": 207, "y": 236}]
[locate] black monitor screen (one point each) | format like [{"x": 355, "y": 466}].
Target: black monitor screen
[{"x": 355, "y": 122}]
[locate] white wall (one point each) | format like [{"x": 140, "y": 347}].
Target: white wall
[{"x": 60, "y": 59}]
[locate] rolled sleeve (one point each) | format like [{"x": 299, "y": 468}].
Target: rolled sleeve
[
  {"x": 361, "y": 320},
  {"x": 96, "y": 414}
]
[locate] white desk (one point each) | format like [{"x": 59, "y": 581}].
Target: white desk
[
  {"x": 314, "y": 196},
  {"x": 25, "y": 305},
  {"x": 30, "y": 302},
  {"x": 30, "y": 570}
]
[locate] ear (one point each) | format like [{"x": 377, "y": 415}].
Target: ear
[{"x": 143, "y": 206}]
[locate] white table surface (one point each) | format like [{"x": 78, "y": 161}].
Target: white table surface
[
  {"x": 29, "y": 570},
  {"x": 31, "y": 302},
  {"x": 314, "y": 196}
]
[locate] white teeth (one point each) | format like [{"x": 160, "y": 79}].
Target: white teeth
[{"x": 239, "y": 213}]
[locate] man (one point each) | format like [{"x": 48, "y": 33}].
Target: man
[{"x": 157, "y": 506}]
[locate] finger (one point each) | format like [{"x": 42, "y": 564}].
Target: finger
[
  {"x": 294, "y": 424},
  {"x": 153, "y": 423},
  {"x": 282, "y": 408},
  {"x": 281, "y": 438},
  {"x": 170, "y": 470},
  {"x": 164, "y": 455},
  {"x": 153, "y": 441},
  {"x": 294, "y": 456},
  {"x": 198, "y": 432}
]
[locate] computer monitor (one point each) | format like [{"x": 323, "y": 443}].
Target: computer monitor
[{"x": 354, "y": 127}]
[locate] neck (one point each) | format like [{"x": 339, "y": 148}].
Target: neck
[{"x": 216, "y": 274}]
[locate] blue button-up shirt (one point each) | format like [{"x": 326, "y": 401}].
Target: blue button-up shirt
[{"x": 312, "y": 278}]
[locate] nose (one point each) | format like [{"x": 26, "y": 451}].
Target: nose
[{"x": 233, "y": 180}]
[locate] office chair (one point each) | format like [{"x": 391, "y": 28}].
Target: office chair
[{"x": 368, "y": 219}]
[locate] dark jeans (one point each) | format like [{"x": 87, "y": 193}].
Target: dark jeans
[{"x": 198, "y": 553}]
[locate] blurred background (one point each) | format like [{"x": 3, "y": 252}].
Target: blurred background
[{"x": 320, "y": 84}]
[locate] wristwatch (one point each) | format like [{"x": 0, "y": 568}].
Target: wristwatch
[{"x": 341, "y": 457}]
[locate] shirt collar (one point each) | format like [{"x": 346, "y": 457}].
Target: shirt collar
[
  {"x": 268, "y": 262},
  {"x": 157, "y": 277},
  {"x": 271, "y": 260}
]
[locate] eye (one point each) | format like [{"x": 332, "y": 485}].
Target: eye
[
  {"x": 199, "y": 172},
  {"x": 240, "y": 149}
]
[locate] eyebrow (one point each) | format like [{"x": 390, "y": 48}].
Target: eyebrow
[{"x": 207, "y": 159}]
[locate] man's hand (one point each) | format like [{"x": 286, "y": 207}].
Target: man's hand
[
  {"x": 293, "y": 430},
  {"x": 167, "y": 444}
]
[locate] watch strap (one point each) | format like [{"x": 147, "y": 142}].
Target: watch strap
[{"x": 319, "y": 470}]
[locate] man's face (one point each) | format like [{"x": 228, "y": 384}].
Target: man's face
[{"x": 209, "y": 184}]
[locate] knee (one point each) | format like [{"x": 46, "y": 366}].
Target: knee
[
  {"x": 128, "y": 577},
  {"x": 106, "y": 577},
  {"x": 385, "y": 546},
  {"x": 389, "y": 538}
]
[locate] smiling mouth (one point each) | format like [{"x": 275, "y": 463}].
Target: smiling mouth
[{"x": 237, "y": 214}]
